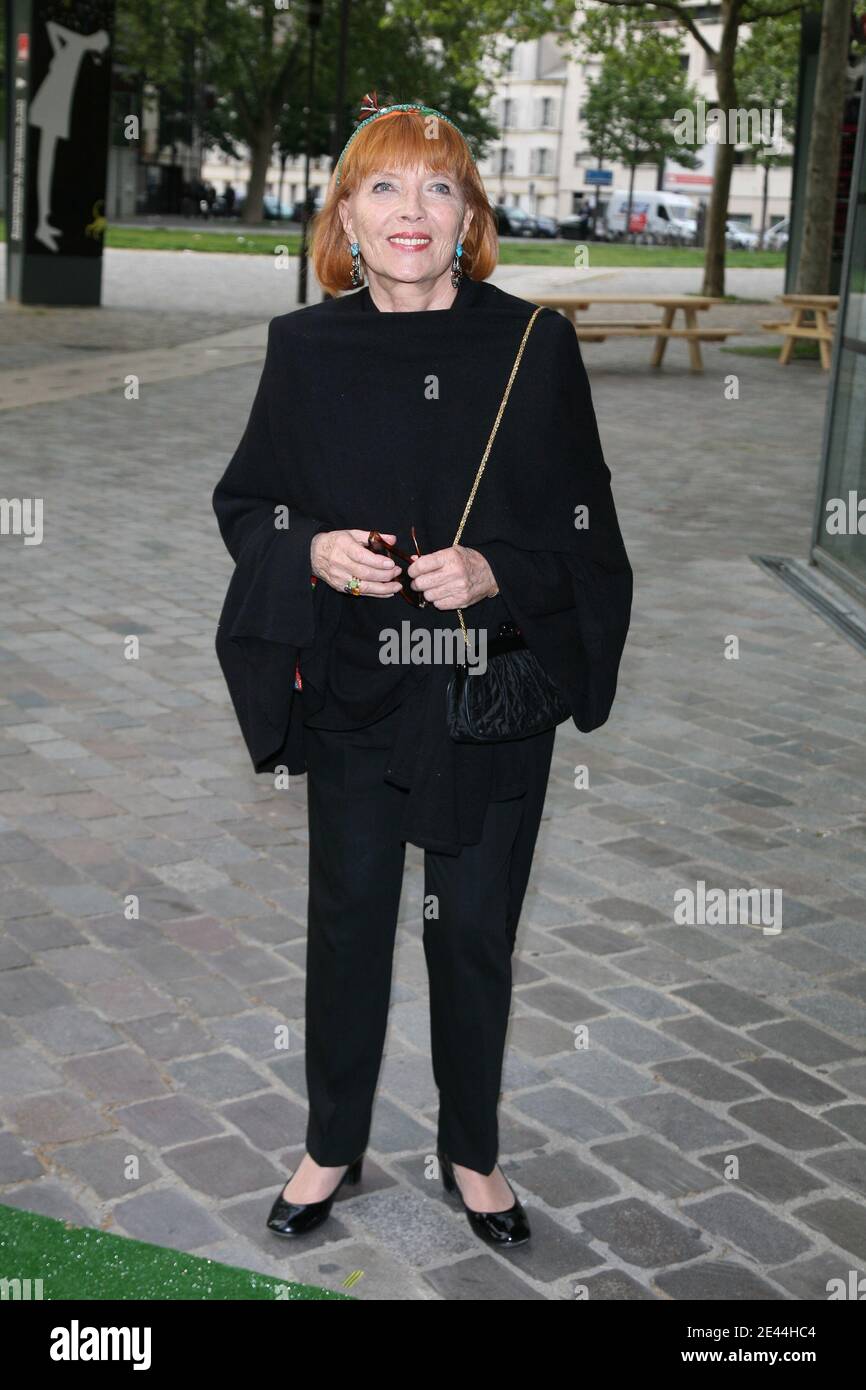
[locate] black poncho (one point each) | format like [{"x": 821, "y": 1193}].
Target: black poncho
[{"x": 379, "y": 419}]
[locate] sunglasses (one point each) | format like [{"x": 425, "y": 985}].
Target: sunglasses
[{"x": 376, "y": 543}]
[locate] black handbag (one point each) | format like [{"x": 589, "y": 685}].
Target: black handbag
[{"x": 513, "y": 697}]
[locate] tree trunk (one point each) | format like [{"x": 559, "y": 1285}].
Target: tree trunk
[
  {"x": 822, "y": 166},
  {"x": 765, "y": 194},
  {"x": 717, "y": 212},
  {"x": 261, "y": 148}
]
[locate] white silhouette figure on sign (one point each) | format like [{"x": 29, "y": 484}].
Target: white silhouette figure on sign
[{"x": 51, "y": 108}]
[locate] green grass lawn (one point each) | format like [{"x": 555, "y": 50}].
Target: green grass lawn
[
  {"x": 241, "y": 242},
  {"x": 803, "y": 349}
]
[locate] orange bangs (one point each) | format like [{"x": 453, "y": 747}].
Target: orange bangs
[{"x": 403, "y": 139}]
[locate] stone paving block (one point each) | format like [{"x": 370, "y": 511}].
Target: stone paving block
[
  {"x": 169, "y": 1120},
  {"x": 104, "y": 1165},
  {"x": 596, "y": 939},
  {"x": 601, "y": 1074},
  {"x": 646, "y": 1004},
  {"x": 382, "y": 1277},
  {"x": 394, "y": 1131},
  {"x": 641, "y": 1235},
  {"x": 568, "y": 1113},
  {"x": 731, "y": 1006},
  {"x": 704, "y": 1079},
  {"x": 804, "y": 1043},
  {"x": 169, "y": 1217},
  {"x": 480, "y": 1279},
  {"x": 216, "y": 1076},
  {"x": 537, "y": 1036},
  {"x": 207, "y": 995},
  {"x": 655, "y": 1166},
  {"x": 224, "y": 1166},
  {"x": 814, "y": 1278},
  {"x": 269, "y": 1120},
  {"x": 561, "y": 1179},
  {"x": 790, "y": 1082},
  {"x": 53, "y": 1117},
  {"x": 717, "y": 1281},
  {"x": 612, "y": 1286},
  {"x": 704, "y": 1035},
  {"x": 764, "y": 1172},
  {"x": 50, "y": 1197},
  {"x": 845, "y": 1166},
  {"x": 567, "y": 1005},
  {"x": 23, "y": 1070},
  {"x": 115, "y": 1075},
  {"x": 632, "y": 1041},
  {"x": 834, "y": 1011},
  {"x": 17, "y": 1161},
  {"x": 166, "y": 1036},
  {"x": 680, "y": 1121},
  {"x": 841, "y": 1220},
  {"x": 747, "y": 1225},
  {"x": 786, "y": 1125},
  {"x": 31, "y": 990},
  {"x": 67, "y": 1031}
]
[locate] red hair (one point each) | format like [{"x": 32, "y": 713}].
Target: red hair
[{"x": 399, "y": 141}]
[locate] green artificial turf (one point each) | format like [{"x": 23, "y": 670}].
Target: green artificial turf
[{"x": 81, "y": 1263}]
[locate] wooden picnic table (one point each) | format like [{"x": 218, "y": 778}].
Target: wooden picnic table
[
  {"x": 662, "y": 329},
  {"x": 817, "y": 327}
]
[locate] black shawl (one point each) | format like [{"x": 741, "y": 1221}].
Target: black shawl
[{"x": 380, "y": 420}]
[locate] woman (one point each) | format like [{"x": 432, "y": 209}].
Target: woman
[{"x": 372, "y": 413}]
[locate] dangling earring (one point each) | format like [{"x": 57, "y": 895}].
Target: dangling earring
[
  {"x": 356, "y": 264},
  {"x": 456, "y": 267}
]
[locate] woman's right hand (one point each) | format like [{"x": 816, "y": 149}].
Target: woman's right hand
[{"x": 337, "y": 556}]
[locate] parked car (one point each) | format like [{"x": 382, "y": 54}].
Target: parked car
[
  {"x": 514, "y": 221},
  {"x": 776, "y": 237},
  {"x": 274, "y": 210},
  {"x": 740, "y": 237},
  {"x": 547, "y": 226},
  {"x": 576, "y": 227}
]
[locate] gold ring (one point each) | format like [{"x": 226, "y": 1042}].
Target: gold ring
[{"x": 353, "y": 586}]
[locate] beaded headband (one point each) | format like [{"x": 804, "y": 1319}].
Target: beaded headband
[{"x": 371, "y": 104}]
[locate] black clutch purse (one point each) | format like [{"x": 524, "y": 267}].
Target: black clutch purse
[{"x": 513, "y": 697}]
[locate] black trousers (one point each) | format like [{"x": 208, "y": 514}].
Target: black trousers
[{"x": 356, "y": 863}]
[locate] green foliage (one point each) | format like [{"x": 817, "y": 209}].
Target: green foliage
[{"x": 632, "y": 102}]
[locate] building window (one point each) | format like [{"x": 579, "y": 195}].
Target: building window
[
  {"x": 546, "y": 111},
  {"x": 507, "y": 112}
]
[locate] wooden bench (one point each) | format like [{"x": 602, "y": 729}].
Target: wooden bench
[
  {"x": 662, "y": 329},
  {"x": 816, "y": 328}
]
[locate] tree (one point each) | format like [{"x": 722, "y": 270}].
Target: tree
[
  {"x": 628, "y": 112},
  {"x": 733, "y": 14},
  {"x": 816, "y": 248},
  {"x": 766, "y": 68}
]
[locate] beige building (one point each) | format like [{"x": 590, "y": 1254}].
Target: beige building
[{"x": 541, "y": 161}]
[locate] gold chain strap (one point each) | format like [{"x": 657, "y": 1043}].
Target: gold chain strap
[{"x": 502, "y": 406}]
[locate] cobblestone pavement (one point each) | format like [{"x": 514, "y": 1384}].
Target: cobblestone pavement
[{"x": 707, "y": 1143}]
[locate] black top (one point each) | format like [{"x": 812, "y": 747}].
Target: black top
[
  {"x": 347, "y": 686},
  {"x": 379, "y": 419}
]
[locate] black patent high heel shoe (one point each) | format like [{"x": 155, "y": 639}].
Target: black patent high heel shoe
[
  {"x": 510, "y": 1227},
  {"x": 296, "y": 1218}
]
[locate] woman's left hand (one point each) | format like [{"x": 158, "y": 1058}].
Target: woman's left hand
[{"x": 453, "y": 578}]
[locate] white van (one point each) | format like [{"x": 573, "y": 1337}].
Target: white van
[{"x": 656, "y": 216}]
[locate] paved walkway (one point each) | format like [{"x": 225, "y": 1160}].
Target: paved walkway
[{"x": 708, "y": 1143}]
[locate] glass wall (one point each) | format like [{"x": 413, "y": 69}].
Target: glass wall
[{"x": 839, "y": 536}]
